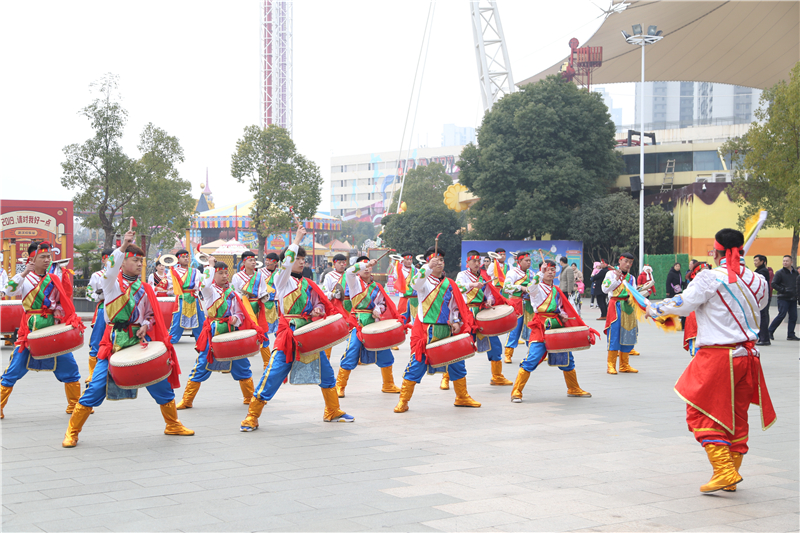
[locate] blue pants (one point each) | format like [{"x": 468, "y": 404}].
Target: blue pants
[
  {"x": 355, "y": 351},
  {"x": 618, "y": 338},
  {"x": 513, "y": 337},
  {"x": 95, "y": 392},
  {"x": 175, "y": 329},
  {"x": 415, "y": 370},
  {"x": 279, "y": 369},
  {"x": 537, "y": 354},
  {"x": 98, "y": 329},
  {"x": 496, "y": 349},
  {"x": 66, "y": 369},
  {"x": 407, "y": 313},
  {"x": 785, "y": 307},
  {"x": 240, "y": 368}
]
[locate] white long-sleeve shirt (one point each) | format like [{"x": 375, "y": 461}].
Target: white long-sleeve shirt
[
  {"x": 241, "y": 279},
  {"x": 424, "y": 284},
  {"x": 21, "y": 286},
  {"x": 727, "y": 313},
  {"x": 511, "y": 287},
  {"x": 94, "y": 290},
  {"x": 112, "y": 291},
  {"x": 356, "y": 285},
  {"x": 285, "y": 283},
  {"x": 212, "y": 293},
  {"x": 465, "y": 278},
  {"x": 151, "y": 279},
  {"x": 3, "y": 280},
  {"x": 332, "y": 278}
]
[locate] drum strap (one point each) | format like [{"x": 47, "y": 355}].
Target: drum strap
[{"x": 45, "y": 311}]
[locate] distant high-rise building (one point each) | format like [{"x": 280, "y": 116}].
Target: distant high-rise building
[
  {"x": 615, "y": 112},
  {"x": 453, "y": 135}
]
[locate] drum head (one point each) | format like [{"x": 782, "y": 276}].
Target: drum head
[
  {"x": 318, "y": 324},
  {"x": 448, "y": 340},
  {"x": 10, "y": 302},
  {"x": 169, "y": 299},
  {"x": 382, "y": 327},
  {"x": 494, "y": 313},
  {"x": 234, "y": 335},
  {"x": 136, "y": 355},
  {"x": 50, "y": 330}
]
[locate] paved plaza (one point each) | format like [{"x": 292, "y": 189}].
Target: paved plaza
[{"x": 622, "y": 460}]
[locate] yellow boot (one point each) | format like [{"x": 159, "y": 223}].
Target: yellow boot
[
  {"x": 73, "y": 392},
  {"x": 634, "y": 352},
  {"x": 406, "y": 391},
  {"x": 247, "y": 390},
  {"x": 463, "y": 399},
  {"x": 92, "y": 364},
  {"x": 266, "y": 355},
  {"x": 725, "y": 474},
  {"x": 624, "y": 365},
  {"x": 445, "y": 384},
  {"x": 4, "y": 393},
  {"x": 497, "y": 374},
  {"x": 612, "y": 361},
  {"x": 188, "y": 394},
  {"x": 508, "y": 354},
  {"x": 737, "y": 464},
  {"x": 250, "y": 423},
  {"x": 76, "y": 421},
  {"x": 341, "y": 381},
  {"x": 519, "y": 384},
  {"x": 573, "y": 389},
  {"x": 174, "y": 426},
  {"x": 388, "y": 381},
  {"x": 332, "y": 411}
]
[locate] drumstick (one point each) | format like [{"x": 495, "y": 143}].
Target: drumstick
[
  {"x": 390, "y": 250},
  {"x": 297, "y": 220},
  {"x": 436, "y": 245}
]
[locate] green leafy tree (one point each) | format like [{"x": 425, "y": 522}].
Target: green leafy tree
[
  {"x": 280, "y": 178},
  {"x": 766, "y": 160},
  {"x": 415, "y": 231},
  {"x": 356, "y": 232},
  {"x": 541, "y": 152},
  {"x": 659, "y": 230},
  {"x": 90, "y": 258},
  {"x": 424, "y": 188}
]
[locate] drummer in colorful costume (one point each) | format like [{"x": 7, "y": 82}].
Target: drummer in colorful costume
[
  {"x": 131, "y": 321},
  {"x": 442, "y": 313},
  {"x": 552, "y": 311},
  {"x": 498, "y": 269},
  {"x": 622, "y": 328},
  {"x": 517, "y": 280},
  {"x": 335, "y": 288},
  {"x": 370, "y": 305},
  {"x": 225, "y": 312},
  {"x": 99, "y": 318},
  {"x": 300, "y": 300},
  {"x": 255, "y": 289},
  {"x": 479, "y": 294},
  {"x": 160, "y": 281},
  {"x": 405, "y": 271},
  {"x": 46, "y": 292},
  {"x": 725, "y": 375},
  {"x": 186, "y": 314}
]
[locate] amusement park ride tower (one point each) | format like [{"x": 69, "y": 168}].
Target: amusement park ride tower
[{"x": 276, "y": 63}]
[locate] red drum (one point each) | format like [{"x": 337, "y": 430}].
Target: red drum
[
  {"x": 496, "y": 321},
  {"x": 568, "y": 339},
  {"x": 140, "y": 366},
  {"x": 321, "y": 335},
  {"x": 450, "y": 350},
  {"x": 11, "y": 313},
  {"x": 383, "y": 335},
  {"x": 53, "y": 341},
  {"x": 235, "y": 345},
  {"x": 166, "y": 304}
]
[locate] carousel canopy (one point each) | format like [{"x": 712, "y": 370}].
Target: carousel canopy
[
  {"x": 212, "y": 246},
  {"x": 339, "y": 245},
  {"x": 238, "y": 215},
  {"x": 232, "y": 247}
]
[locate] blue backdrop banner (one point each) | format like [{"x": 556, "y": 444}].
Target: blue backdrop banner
[{"x": 539, "y": 250}]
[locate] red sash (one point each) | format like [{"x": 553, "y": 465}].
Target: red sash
[
  {"x": 537, "y": 325},
  {"x": 284, "y": 338},
  {"x": 205, "y": 336},
  {"x": 70, "y": 317},
  {"x": 419, "y": 340}
]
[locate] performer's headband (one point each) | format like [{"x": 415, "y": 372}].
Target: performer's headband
[
  {"x": 183, "y": 254},
  {"x": 432, "y": 255},
  {"x": 43, "y": 247},
  {"x": 408, "y": 256},
  {"x": 471, "y": 257},
  {"x": 522, "y": 255},
  {"x": 732, "y": 259},
  {"x": 133, "y": 254}
]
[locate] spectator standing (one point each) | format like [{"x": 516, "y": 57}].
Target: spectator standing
[
  {"x": 566, "y": 281},
  {"x": 760, "y": 262},
  {"x": 307, "y": 272},
  {"x": 595, "y": 270},
  {"x": 674, "y": 285},
  {"x": 328, "y": 268},
  {"x": 597, "y": 281},
  {"x": 785, "y": 285}
]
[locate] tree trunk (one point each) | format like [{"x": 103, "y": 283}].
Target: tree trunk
[
  {"x": 261, "y": 242},
  {"x": 795, "y": 239},
  {"x": 109, "y": 238}
]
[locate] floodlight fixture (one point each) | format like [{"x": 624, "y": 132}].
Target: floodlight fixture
[
  {"x": 637, "y": 29},
  {"x": 651, "y": 30},
  {"x": 625, "y": 35}
]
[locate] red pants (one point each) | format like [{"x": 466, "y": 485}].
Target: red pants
[{"x": 707, "y": 431}]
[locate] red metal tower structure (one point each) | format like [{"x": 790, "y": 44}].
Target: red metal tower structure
[
  {"x": 581, "y": 63},
  {"x": 276, "y": 63}
]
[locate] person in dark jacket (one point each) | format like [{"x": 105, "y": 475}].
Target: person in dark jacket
[
  {"x": 597, "y": 280},
  {"x": 785, "y": 285},
  {"x": 674, "y": 285},
  {"x": 760, "y": 262}
]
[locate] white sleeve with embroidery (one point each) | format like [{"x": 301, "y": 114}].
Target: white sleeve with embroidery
[
  {"x": 611, "y": 282},
  {"x": 113, "y": 264},
  {"x": 699, "y": 291},
  {"x": 418, "y": 280},
  {"x": 462, "y": 282}
]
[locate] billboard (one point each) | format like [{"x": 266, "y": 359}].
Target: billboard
[
  {"x": 23, "y": 221},
  {"x": 539, "y": 250}
]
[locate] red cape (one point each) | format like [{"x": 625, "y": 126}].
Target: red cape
[
  {"x": 536, "y": 325},
  {"x": 204, "y": 338},
  {"x": 419, "y": 339},
  {"x": 689, "y": 330},
  {"x": 65, "y": 300}
]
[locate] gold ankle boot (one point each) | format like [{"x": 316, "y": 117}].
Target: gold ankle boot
[
  {"x": 624, "y": 365},
  {"x": 388, "y": 381},
  {"x": 508, "y": 353},
  {"x": 497, "y": 374},
  {"x": 250, "y": 423},
  {"x": 519, "y": 384},
  {"x": 174, "y": 426},
  {"x": 737, "y": 464},
  {"x": 5, "y": 392},
  {"x": 573, "y": 389},
  {"x": 266, "y": 355},
  {"x": 634, "y": 352},
  {"x": 92, "y": 364},
  {"x": 445, "y": 383},
  {"x": 247, "y": 390},
  {"x": 612, "y": 361},
  {"x": 725, "y": 473},
  {"x": 332, "y": 410},
  {"x": 463, "y": 399},
  {"x": 73, "y": 393},
  {"x": 341, "y": 381},
  {"x": 406, "y": 391},
  {"x": 76, "y": 421},
  {"x": 188, "y": 395}
]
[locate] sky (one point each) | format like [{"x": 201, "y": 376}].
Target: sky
[{"x": 192, "y": 69}]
